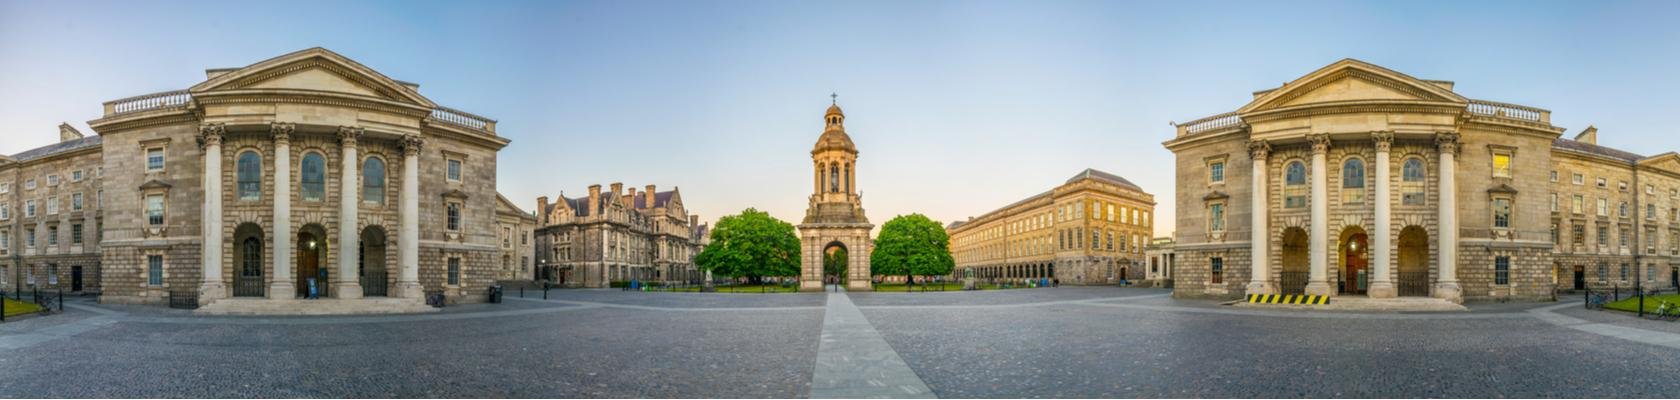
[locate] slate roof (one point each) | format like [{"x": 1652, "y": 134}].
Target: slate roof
[
  {"x": 1093, "y": 173},
  {"x": 1590, "y": 148},
  {"x": 56, "y": 148},
  {"x": 659, "y": 199}
]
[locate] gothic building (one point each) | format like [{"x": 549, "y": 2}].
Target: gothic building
[
  {"x": 617, "y": 236},
  {"x": 1359, "y": 180},
  {"x": 307, "y": 170},
  {"x": 835, "y": 221}
]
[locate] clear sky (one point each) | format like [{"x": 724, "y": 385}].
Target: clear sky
[{"x": 958, "y": 107}]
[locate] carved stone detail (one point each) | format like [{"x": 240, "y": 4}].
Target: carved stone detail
[
  {"x": 1259, "y": 149},
  {"x": 1320, "y": 143},
  {"x": 411, "y": 144},
  {"x": 1447, "y": 142},
  {"x": 282, "y": 132},
  {"x": 211, "y": 134},
  {"x": 349, "y": 134},
  {"x": 1383, "y": 140}
]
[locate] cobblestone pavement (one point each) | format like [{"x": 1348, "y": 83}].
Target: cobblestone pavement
[{"x": 1061, "y": 342}]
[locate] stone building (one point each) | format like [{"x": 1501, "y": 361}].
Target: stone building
[
  {"x": 1161, "y": 258},
  {"x": 319, "y": 169},
  {"x": 834, "y": 219},
  {"x": 1090, "y": 230},
  {"x": 50, "y": 201},
  {"x": 617, "y": 236},
  {"x": 514, "y": 227},
  {"x": 1365, "y": 181}
]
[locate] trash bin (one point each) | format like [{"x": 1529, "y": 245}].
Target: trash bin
[{"x": 495, "y": 293}]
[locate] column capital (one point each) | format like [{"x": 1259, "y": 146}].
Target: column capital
[
  {"x": 349, "y": 134},
  {"x": 1447, "y": 142},
  {"x": 282, "y": 132},
  {"x": 1383, "y": 140},
  {"x": 1259, "y": 149},
  {"x": 1320, "y": 143},
  {"x": 211, "y": 134},
  {"x": 411, "y": 145}
]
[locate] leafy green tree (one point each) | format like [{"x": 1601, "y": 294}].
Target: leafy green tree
[
  {"x": 834, "y": 262},
  {"x": 912, "y": 245},
  {"x": 751, "y": 244}
]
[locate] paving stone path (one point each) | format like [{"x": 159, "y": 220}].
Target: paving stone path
[{"x": 853, "y": 360}]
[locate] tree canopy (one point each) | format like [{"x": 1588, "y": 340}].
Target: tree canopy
[
  {"x": 911, "y": 245},
  {"x": 751, "y": 244}
]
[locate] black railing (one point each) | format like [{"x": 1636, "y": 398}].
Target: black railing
[
  {"x": 374, "y": 283},
  {"x": 1292, "y": 282},
  {"x": 248, "y": 286},
  {"x": 183, "y": 299},
  {"x": 1413, "y": 284}
]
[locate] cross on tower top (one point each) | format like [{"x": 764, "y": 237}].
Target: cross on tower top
[{"x": 833, "y": 98}]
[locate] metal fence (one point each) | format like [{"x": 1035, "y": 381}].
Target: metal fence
[
  {"x": 1413, "y": 284},
  {"x": 1292, "y": 282}
]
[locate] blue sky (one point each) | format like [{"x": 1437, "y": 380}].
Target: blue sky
[{"x": 958, "y": 107}]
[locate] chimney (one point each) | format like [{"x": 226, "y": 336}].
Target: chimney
[
  {"x": 1588, "y": 136},
  {"x": 68, "y": 133},
  {"x": 632, "y": 197},
  {"x": 650, "y": 196},
  {"x": 693, "y": 221},
  {"x": 617, "y": 189},
  {"x": 594, "y": 199},
  {"x": 542, "y": 210}
]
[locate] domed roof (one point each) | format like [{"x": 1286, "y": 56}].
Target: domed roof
[
  {"x": 834, "y": 139},
  {"x": 834, "y": 109}
]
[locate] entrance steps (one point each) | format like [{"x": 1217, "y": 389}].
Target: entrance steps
[
  {"x": 1362, "y": 303},
  {"x": 362, "y": 306}
]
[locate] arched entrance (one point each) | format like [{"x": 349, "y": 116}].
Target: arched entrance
[
  {"x": 835, "y": 262},
  {"x": 372, "y": 265},
  {"x": 1354, "y": 250},
  {"x": 1413, "y": 262},
  {"x": 1293, "y": 278},
  {"x": 248, "y": 261},
  {"x": 311, "y": 256}
]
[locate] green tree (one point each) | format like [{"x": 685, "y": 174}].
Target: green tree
[
  {"x": 834, "y": 261},
  {"x": 751, "y": 244},
  {"x": 911, "y": 245}
]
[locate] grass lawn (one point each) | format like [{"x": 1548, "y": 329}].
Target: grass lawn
[
  {"x": 19, "y": 308},
  {"x": 948, "y": 286},
  {"x": 736, "y": 289},
  {"x": 1631, "y": 304}
]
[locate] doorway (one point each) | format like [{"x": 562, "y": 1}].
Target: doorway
[
  {"x": 1293, "y": 278},
  {"x": 836, "y": 263},
  {"x": 1580, "y": 277},
  {"x": 75, "y": 278},
  {"x": 312, "y": 246},
  {"x": 1355, "y": 263},
  {"x": 248, "y": 260},
  {"x": 1413, "y": 262},
  {"x": 373, "y": 271}
]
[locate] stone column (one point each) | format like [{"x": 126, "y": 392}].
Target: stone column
[
  {"x": 211, "y": 287},
  {"x": 1260, "y": 275},
  {"x": 408, "y": 239},
  {"x": 1381, "y": 241},
  {"x": 1318, "y": 279},
  {"x": 282, "y": 287},
  {"x": 349, "y": 282},
  {"x": 1446, "y": 279}
]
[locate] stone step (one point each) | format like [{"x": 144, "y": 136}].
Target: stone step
[{"x": 236, "y": 306}]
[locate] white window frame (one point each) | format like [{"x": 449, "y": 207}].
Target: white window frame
[
  {"x": 163, "y": 158},
  {"x": 52, "y": 180},
  {"x": 76, "y": 176},
  {"x": 163, "y": 209},
  {"x": 52, "y": 205},
  {"x": 77, "y": 202},
  {"x": 459, "y": 170}
]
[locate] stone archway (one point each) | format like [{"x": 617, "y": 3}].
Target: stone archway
[
  {"x": 1293, "y": 275},
  {"x": 248, "y": 261},
  {"x": 1353, "y": 252},
  {"x": 835, "y": 262},
  {"x": 312, "y": 269},
  {"x": 374, "y": 271},
  {"x": 1413, "y": 262}
]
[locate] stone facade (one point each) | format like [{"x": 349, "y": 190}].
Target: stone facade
[
  {"x": 513, "y": 235},
  {"x": 834, "y": 219},
  {"x": 50, "y": 202},
  {"x": 1161, "y": 259},
  {"x": 1358, "y": 180},
  {"x": 617, "y": 236},
  {"x": 1090, "y": 230},
  {"x": 321, "y": 170}
]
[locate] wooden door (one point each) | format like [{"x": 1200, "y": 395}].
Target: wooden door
[{"x": 1580, "y": 277}]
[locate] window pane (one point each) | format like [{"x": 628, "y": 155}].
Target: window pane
[
  {"x": 1295, "y": 174},
  {"x": 373, "y": 180},
  {"x": 250, "y": 176},
  {"x": 313, "y": 176},
  {"x": 1413, "y": 170},
  {"x": 1353, "y": 174}
]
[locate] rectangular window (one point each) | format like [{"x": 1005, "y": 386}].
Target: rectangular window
[
  {"x": 76, "y": 234},
  {"x": 1603, "y": 207},
  {"x": 29, "y": 184},
  {"x": 5, "y": 243},
  {"x": 29, "y": 238},
  {"x": 1624, "y": 274},
  {"x": 154, "y": 210},
  {"x": 52, "y": 180},
  {"x": 29, "y": 208},
  {"x": 1650, "y": 211},
  {"x": 1502, "y": 270},
  {"x": 454, "y": 216},
  {"x": 1578, "y": 234},
  {"x": 1576, "y": 204},
  {"x": 76, "y": 176},
  {"x": 1216, "y": 217},
  {"x": 52, "y": 205},
  {"x": 1554, "y": 202},
  {"x": 1603, "y": 237},
  {"x": 1216, "y": 172},
  {"x": 1216, "y": 270},
  {"x": 454, "y": 170},
  {"x": 1502, "y": 165},
  {"x": 52, "y": 236},
  {"x": 1502, "y": 213},
  {"x": 1603, "y": 183},
  {"x": 154, "y": 270},
  {"x": 1555, "y": 235},
  {"x": 1554, "y": 175},
  {"x": 1603, "y": 273},
  {"x": 5, "y": 188},
  {"x": 5, "y": 211},
  {"x": 154, "y": 159},
  {"x": 1623, "y": 240},
  {"x": 75, "y": 201},
  {"x": 454, "y": 271},
  {"x": 1621, "y": 186}
]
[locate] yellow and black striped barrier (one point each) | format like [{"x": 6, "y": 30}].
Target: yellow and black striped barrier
[{"x": 1288, "y": 299}]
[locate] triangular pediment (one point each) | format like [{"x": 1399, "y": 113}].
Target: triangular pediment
[
  {"x": 315, "y": 69},
  {"x": 1351, "y": 80},
  {"x": 1669, "y": 161}
]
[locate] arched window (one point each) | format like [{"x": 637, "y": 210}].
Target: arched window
[
  {"x": 1412, "y": 171},
  {"x": 834, "y": 178},
  {"x": 313, "y": 176},
  {"x": 1294, "y": 182},
  {"x": 1353, "y": 173},
  {"x": 848, "y": 178},
  {"x": 373, "y": 180},
  {"x": 250, "y": 175}
]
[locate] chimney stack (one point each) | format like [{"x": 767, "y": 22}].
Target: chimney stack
[
  {"x": 68, "y": 133},
  {"x": 650, "y": 196},
  {"x": 1588, "y": 136},
  {"x": 617, "y": 190},
  {"x": 631, "y": 197},
  {"x": 693, "y": 221},
  {"x": 542, "y": 210},
  {"x": 594, "y": 199}
]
